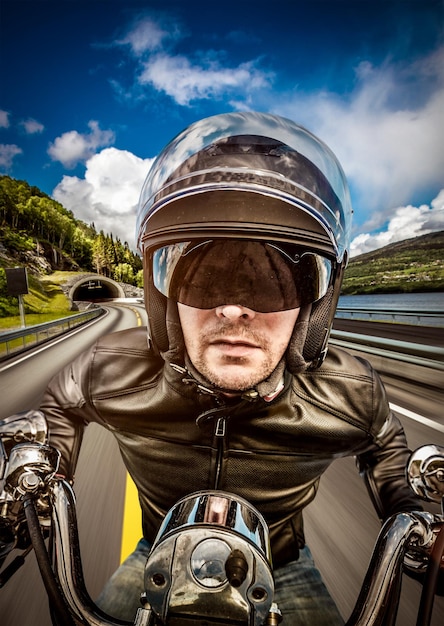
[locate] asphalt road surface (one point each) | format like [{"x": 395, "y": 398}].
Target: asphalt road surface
[{"x": 341, "y": 525}]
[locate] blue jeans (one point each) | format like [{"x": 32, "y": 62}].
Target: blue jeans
[{"x": 299, "y": 591}]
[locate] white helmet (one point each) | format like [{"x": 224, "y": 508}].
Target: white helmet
[{"x": 249, "y": 196}]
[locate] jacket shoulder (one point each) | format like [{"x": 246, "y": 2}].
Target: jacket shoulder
[
  {"x": 343, "y": 362},
  {"x": 123, "y": 361},
  {"x": 128, "y": 340},
  {"x": 348, "y": 387}
]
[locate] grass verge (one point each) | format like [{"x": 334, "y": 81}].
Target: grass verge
[{"x": 45, "y": 302}]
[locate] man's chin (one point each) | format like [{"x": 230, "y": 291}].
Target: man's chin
[
  {"x": 233, "y": 385},
  {"x": 230, "y": 391}
]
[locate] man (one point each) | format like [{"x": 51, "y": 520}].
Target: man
[{"x": 244, "y": 226}]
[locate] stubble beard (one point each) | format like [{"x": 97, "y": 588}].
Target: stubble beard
[{"x": 239, "y": 380}]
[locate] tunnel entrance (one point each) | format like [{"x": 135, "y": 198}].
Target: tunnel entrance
[{"x": 95, "y": 288}]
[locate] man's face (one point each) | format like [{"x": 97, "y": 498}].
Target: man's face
[{"x": 234, "y": 347}]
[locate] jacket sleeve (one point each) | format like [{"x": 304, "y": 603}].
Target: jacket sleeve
[
  {"x": 383, "y": 466},
  {"x": 67, "y": 411}
]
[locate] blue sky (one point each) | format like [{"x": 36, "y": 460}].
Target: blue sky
[{"x": 91, "y": 91}]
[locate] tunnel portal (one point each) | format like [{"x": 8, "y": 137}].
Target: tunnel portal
[{"x": 95, "y": 288}]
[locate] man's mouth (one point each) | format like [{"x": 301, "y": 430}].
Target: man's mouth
[{"x": 235, "y": 347}]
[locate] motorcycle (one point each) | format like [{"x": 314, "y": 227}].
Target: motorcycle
[{"x": 210, "y": 563}]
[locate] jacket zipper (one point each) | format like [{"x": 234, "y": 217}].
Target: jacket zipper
[{"x": 219, "y": 433}]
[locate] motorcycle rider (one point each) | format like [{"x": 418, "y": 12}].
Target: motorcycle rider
[{"x": 244, "y": 227}]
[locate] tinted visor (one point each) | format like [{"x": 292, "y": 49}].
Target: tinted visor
[{"x": 261, "y": 276}]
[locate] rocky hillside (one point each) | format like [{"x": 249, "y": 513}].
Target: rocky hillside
[{"x": 412, "y": 265}]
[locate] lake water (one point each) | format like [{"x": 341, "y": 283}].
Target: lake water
[{"x": 405, "y": 301}]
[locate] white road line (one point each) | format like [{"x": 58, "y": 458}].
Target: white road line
[{"x": 418, "y": 418}]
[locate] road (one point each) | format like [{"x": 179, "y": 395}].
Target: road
[
  {"x": 100, "y": 479},
  {"x": 341, "y": 525}
]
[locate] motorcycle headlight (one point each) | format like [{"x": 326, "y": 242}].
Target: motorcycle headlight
[{"x": 211, "y": 561}]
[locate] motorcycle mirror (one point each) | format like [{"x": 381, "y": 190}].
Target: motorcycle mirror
[{"x": 425, "y": 473}]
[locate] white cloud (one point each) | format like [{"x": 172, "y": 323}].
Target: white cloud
[
  {"x": 405, "y": 223},
  {"x": 147, "y": 35},
  {"x": 388, "y": 133},
  {"x": 182, "y": 78},
  {"x": 4, "y": 119},
  {"x": 7, "y": 154},
  {"x": 184, "y": 82},
  {"x": 31, "y": 126},
  {"x": 72, "y": 147},
  {"x": 109, "y": 193}
]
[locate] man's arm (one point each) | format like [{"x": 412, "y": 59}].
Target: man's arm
[
  {"x": 67, "y": 412},
  {"x": 383, "y": 468}
]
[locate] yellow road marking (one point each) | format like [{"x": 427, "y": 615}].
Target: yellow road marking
[
  {"x": 132, "y": 515},
  {"x": 132, "y": 520},
  {"x": 138, "y": 316}
]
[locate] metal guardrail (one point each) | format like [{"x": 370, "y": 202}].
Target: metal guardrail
[
  {"x": 413, "y": 353},
  {"x": 427, "y": 318},
  {"x": 14, "y": 341}
]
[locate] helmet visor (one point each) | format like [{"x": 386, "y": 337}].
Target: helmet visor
[{"x": 261, "y": 276}]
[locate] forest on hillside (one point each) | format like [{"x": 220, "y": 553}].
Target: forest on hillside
[{"x": 31, "y": 220}]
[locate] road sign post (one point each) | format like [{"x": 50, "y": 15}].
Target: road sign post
[{"x": 17, "y": 284}]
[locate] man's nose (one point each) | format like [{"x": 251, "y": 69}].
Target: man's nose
[{"x": 235, "y": 312}]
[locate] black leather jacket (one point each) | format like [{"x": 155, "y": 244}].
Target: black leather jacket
[{"x": 175, "y": 440}]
